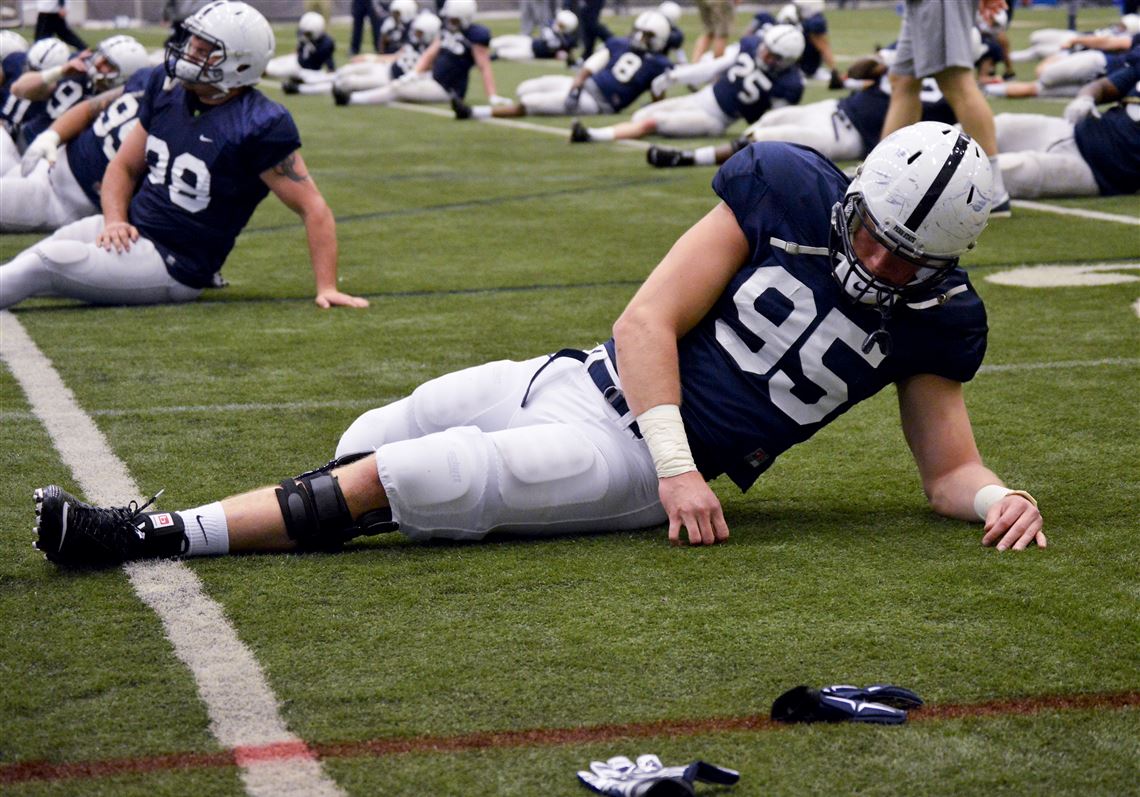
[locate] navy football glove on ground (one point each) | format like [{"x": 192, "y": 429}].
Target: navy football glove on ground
[
  {"x": 620, "y": 777},
  {"x": 882, "y": 704}
]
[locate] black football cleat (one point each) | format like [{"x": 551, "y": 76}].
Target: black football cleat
[
  {"x": 71, "y": 533},
  {"x": 667, "y": 157},
  {"x": 291, "y": 86},
  {"x": 340, "y": 96},
  {"x": 462, "y": 110},
  {"x": 579, "y": 134}
]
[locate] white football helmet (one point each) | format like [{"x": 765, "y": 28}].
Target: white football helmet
[
  {"x": 788, "y": 15},
  {"x": 403, "y": 11},
  {"x": 242, "y": 43},
  {"x": 923, "y": 193},
  {"x": 671, "y": 10},
  {"x": 47, "y": 53},
  {"x": 11, "y": 42},
  {"x": 785, "y": 44},
  {"x": 115, "y": 60},
  {"x": 650, "y": 32},
  {"x": 311, "y": 25},
  {"x": 977, "y": 46},
  {"x": 458, "y": 14},
  {"x": 566, "y": 22},
  {"x": 425, "y": 27},
  {"x": 1130, "y": 24},
  {"x": 809, "y": 8}
]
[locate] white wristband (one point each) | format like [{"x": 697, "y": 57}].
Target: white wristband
[
  {"x": 991, "y": 494},
  {"x": 50, "y": 76},
  {"x": 664, "y": 434}
]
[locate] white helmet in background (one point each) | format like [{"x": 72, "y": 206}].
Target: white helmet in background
[
  {"x": 785, "y": 43},
  {"x": 650, "y": 32},
  {"x": 566, "y": 22},
  {"x": 462, "y": 11},
  {"x": 977, "y": 46},
  {"x": 404, "y": 11},
  {"x": 46, "y": 54},
  {"x": 120, "y": 56},
  {"x": 1130, "y": 24},
  {"x": 311, "y": 25},
  {"x": 671, "y": 10},
  {"x": 11, "y": 42},
  {"x": 924, "y": 193},
  {"x": 242, "y": 43},
  {"x": 788, "y": 15},
  {"x": 425, "y": 27},
  {"x": 809, "y": 8}
]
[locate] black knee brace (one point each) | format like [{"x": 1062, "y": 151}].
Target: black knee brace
[{"x": 316, "y": 515}]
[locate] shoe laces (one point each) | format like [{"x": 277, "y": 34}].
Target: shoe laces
[{"x": 106, "y": 525}]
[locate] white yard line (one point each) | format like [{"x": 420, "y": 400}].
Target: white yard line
[
  {"x": 242, "y": 708},
  {"x": 1096, "y": 215}
]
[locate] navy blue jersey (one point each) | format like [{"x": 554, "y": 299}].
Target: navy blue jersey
[
  {"x": 90, "y": 152},
  {"x": 407, "y": 58},
  {"x": 550, "y": 42},
  {"x": 812, "y": 58},
  {"x": 676, "y": 39},
  {"x": 203, "y": 180},
  {"x": 760, "y": 22},
  {"x": 867, "y": 110},
  {"x": 746, "y": 90},
  {"x": 316, "y": 54},
  {"x": 1111, "y": 144},
  {"x": 779, "y": 355},
  {"x": 12, "y": 108},
  {"x": 40, "y": 115},
  {"x": 455, "y": 59},
  {"x": 628, "y": 73}
]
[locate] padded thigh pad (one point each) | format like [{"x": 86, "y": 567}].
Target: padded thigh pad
[
  {"x": 443, "y": 469},
  {"x": 459, "y": 398},
  {"x": 549, "y": 465},
  {"x": 63, "y": 253}
]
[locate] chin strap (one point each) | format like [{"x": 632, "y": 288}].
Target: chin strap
[{"x": 880, "y": 337}]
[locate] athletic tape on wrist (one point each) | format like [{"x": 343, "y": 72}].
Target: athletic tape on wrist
[
  {"x": 52, "y": 75},
  {"x": 664, "y": 433},
  {"x": 989, "y": 495}
]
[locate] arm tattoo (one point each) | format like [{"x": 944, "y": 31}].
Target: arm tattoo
[{"x": 286, "y": 168}]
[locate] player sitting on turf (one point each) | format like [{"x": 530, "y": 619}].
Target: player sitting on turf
[
  {"x": 443, "y": 69},
  {"x": 799, "y": 294},
  {"x": 313, "y": 62},
  {"x": 760, "y": 76},
  {"x": 609, "y": 81},
  {"x": 1063, "y": 74},
  {"x": 1049, "y": 41},
  {"x": 204, "y": 152}
]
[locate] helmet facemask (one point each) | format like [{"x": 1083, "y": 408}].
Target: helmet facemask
[{"x": 190, "y": 67}]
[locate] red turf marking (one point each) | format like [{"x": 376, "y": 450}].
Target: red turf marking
[
  {"x": 278, "y": 751},
  {"x": 24, "y": 771}
]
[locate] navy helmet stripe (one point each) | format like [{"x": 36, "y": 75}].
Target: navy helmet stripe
[{"x": 940, "y": 182}]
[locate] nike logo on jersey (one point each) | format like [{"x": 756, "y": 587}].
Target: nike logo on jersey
[{"x": 205, "y": 140}]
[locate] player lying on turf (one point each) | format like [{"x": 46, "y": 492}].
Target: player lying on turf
[{"x": 800, "y": 294}]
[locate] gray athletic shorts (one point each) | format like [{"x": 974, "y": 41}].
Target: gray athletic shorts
[{"x": 935, "y": 35}]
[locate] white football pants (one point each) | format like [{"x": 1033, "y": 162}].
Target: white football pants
[
  {"x": 411, "y": 87},
  {"x": 1038, "y": 156},
  {"x": 1074, "y": 69},
  {"x": 693, "y": 115},
  {"x": 9, "y": 154},
  {"x": 69, "y": 264},
  {"x": 546, "y": 96},
  {"x": 459, "y": 458},
  {"x": 513, "y": 47},
  {"x": 817, "y": 125},
  {"x": 46, "y": 199}
]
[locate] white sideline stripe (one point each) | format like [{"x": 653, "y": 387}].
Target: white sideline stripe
[
  {"x": 242, "y": 708},
  {"x": 1060, "y": 365},
  {"x": 563, "y": 133},
  {"x": 1084, "y": 214}
]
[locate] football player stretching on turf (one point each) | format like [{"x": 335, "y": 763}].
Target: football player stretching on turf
[
  {"x": 757, "y": 329},
  {"x": 210, "y": 148}
]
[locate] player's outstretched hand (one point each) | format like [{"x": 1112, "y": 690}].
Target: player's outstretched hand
[
  {"x": 1013, "y": 522},
  {"x": 327, "y": 299},
  {"x": 691, "y": 503},
  {"x": 118, "y": 235}
]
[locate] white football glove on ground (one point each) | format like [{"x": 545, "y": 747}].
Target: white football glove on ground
[
  {"x": 620, "y": 777},
  {"x": 45, "y": 146}
]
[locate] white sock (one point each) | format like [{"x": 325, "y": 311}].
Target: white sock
[
  {"x": 207, "y": 530},
  {"x": 601, "y": 133},
  {"x": 481, "y": 112},
  {"x": 705, "y": 156},
  {"x": 999, "y": 184},
  {"x": 995, "y": 89}
]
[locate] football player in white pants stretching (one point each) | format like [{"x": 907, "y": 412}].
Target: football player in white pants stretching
[{"x": 706, "y": 374}]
